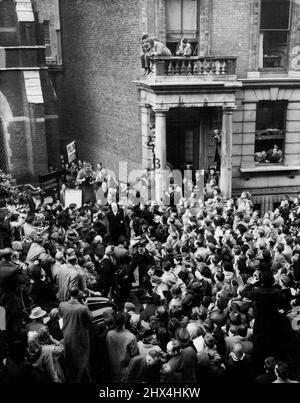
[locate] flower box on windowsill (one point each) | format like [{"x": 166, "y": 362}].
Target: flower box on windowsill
[{"x": 266, "y": 167}]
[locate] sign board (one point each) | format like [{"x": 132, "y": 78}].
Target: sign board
[
  {"x": 71, "y": 152},
  {"x": 73, "y": 196},
  {"x": 49, "y": 183}
]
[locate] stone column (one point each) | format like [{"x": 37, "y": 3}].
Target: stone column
[
  {"x": 160, "y": 151},
  {"x": 146, "y": 154},
  {"x": 292, "y": 134},
  {"x": 226, "y": 153}
]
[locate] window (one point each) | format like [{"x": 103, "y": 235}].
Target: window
[
  {"x": 270, "y": 131},
  {"x": 274, "y": 33},
  {"x": 182, "y": 22},
  {"x": 47, "y": 38}
]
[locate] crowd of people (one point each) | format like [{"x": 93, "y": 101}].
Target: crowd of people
[{"x": 200, "y": 291}]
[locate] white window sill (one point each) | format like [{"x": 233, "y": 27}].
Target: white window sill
[{"x": 270, "y": 168}]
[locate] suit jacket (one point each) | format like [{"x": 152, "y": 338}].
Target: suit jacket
[
  {"x": 105, "y": 273},
  {"x": 116, "y": 225},
  {"x": 67, "y": 278}
]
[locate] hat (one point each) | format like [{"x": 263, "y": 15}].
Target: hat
[
  {"x": 59, "y": 255},
  {"x": 54, "y": 236},
  {"x": 71, "y": 234},
  {"x": 98, "y": 238},
  {"x": 37, "y": 313},
  {"x": 109, "y": 250},
  {"x": 129, "y": 306},
  {"x": 17, "y": 245},
  {"x": 70, "y": 251}
]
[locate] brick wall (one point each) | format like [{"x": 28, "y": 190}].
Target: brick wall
[
  {"x": 8, "y": 33},
  {"x": 230, "y": 31},
  {"x": 25, "y": 127},
  {"x": 100, "y": 107}
]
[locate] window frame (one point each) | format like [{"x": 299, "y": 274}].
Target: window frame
[
  {"x": 261, "y": 39},
  {"x": 280, "y": 137},
  {"x": 47, "y": 25},
  {"x": 173, "y": 36}
]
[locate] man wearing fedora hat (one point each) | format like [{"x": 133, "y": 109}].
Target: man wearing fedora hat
[{"x": 37, "y": 315}]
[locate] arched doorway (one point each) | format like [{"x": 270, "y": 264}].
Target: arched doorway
[{"x": 3, "y": 153}]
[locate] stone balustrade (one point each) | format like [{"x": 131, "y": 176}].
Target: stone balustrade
[{"x": 194, "y": 66}]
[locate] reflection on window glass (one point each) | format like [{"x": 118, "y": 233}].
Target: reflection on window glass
[{"x": 274, "y": 30}]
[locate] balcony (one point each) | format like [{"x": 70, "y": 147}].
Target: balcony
[
  {"x": 208, "y": 68},
  {"x": 194, "y": 81}
]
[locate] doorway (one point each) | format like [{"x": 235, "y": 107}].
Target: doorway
[{"x": 190, "y": 137}]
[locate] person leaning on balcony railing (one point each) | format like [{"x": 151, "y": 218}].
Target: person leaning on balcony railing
[
  {"x": 184, "y": 48},
  {"x": 145, "y": 47},
  {"x": 157, "y": 48}
]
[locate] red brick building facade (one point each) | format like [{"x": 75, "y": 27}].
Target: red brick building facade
[{"x": 27, "y": 99}]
